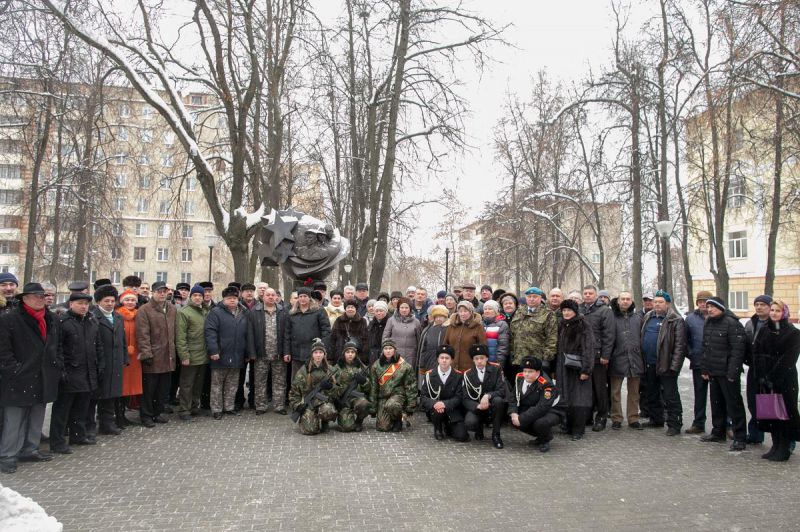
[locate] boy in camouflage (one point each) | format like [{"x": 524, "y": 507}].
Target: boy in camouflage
[
  {"x": 352, "y": 390},
  {"x": 320, "y": 410},
  {"x": 393, "y": 389}
]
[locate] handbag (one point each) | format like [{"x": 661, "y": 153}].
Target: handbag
[
  {"x": 573, "y": 361},
  {"x": 771, "y": 407}
]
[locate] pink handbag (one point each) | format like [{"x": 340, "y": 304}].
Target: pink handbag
[{"x": 770, "y": 407}]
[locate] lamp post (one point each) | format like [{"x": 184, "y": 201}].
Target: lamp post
[
  {"x": 446, "y": 267},
  {"x": 664, "y": 229},
  {"x": 211, "y": 241},
  {"x": 348, "y": 268}
]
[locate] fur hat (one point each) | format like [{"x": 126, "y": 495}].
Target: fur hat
[
  {"x": 478, "y": 350},
  {"x": 445, "y": 350},
  {"x": 230, "y": 291},
  {"x": 439, "y": 310},
  {"x": 570, "y": 304},
  {"x": 105, "y": 291},
  {"x": 530, "y": 363}
]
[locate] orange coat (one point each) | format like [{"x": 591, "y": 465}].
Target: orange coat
[{"x": 132, "y": 373}]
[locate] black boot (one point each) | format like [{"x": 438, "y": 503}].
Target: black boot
[
  {"x": 782, "y": 453},
  {"x": 496, "y": 440},
  {"x": 397, "y": 426},
  {"x": 438, "y": 433},
  {"x": 774, "y": 447},
  {"x": 479, "y": 433}
]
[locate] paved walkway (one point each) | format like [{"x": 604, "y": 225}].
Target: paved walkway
[{"x": 258, "y": 473}]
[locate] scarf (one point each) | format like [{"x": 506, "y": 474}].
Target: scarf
[{"x": 38, "y": 315}]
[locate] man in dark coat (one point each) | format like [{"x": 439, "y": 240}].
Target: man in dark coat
[
  {"x": 695, "y": 322},
  {"x": 723, "y": 356},
  {"x": 753, "y": 329},
  {"x": 226, "y": 341},
  {"x": 484, "y": 394},
  {"x": 267, "y": 323},
  {"x": 536, "y": 406},
  {"x": 84, "y": 365},
  {"x": 600, "y": 318},
  {"x": 30, "y": 368},
  {"x": 440, "y": 395},
  {"x": 8, "y": 290},
  {"x": 306, "y": 322},
  {"x": 626, "y": 361},
  {"x": 115, "y": 352}
]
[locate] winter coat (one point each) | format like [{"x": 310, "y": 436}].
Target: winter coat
[
  {"x": 461, "y": 336},
  {"x": 575, "y": 337},
  {"x": 30, "y": 366},
  {"x": 601, "y": 319},
  {"x": 695, "y": 322},
  {"x": 115, "y": 352},
  {"x": 155, "y": 336},
  {"x": 349, "y": 329},
  {"x": 302, "y": 328},
  {"x": 723, "y": 346},
  {"x": 256, "y": 332},
  {"x": 497, "y": 338},
  {"x": 7, "y": 305},
  {"x": 429, "y": 341},
  {"x": 431, "y": 391},
  {"x": 132, "y": 372},
  {"x": 534, "y": 334},
  {"x": 226, "y": 336},
  {"x": 627, "y": 359},
  {"x": 775, "y": 351},
  {"x": 84, "y": 362},
  {"x": 752, "y": 331},
  {"x": 671, "y": 343},
  {"x": 405, "y": 331},
  {"x": 421, "y": 314},
  {"x": 402, "y": 384},
  {"x": 542, "y": 397},
  {"x": 334, "y": 312},
  {"x": 190, "y": 338},
  {"x": 375, "y": 337}
]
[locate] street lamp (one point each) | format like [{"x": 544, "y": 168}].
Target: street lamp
[
  {"x": 664, "y": 229},
  {"x": 211, "y": 241},
  {"x": 348, "y": 268}
]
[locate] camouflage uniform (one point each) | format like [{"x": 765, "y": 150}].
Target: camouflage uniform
[
  {"x": 317, "y": 413},
  {"x": 534, "y": 334},
  {"x": 396, "y": 396},
  {"x": 352, "y": 410}
]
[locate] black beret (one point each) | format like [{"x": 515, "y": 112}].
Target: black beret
[
  {"x": 478, "y": 350},
  {"x": 105, "y": 291},
  {"x": 446, "y": 350},
  {"x": 230, "y": 291},
  {"x": 530, "y": 363}
]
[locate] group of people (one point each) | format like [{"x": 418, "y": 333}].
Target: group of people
[{"x": 468, "y": 359}]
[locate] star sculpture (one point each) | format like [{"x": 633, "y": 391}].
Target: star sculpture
[{"x": 279, "y": 230}]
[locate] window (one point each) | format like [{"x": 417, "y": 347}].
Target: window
[
  {"x": 738, "y": 300},
  {"x": 116, "y": 229},
  {"x": 141, "y": 229},
  {"x": 163, "y": 230},
  {"x": 115, "y": 277},
  {"x": 140, "y": 275},
  {"x": 144, "y": 182},
  {"x": 120, "y": 158},
  {"x": 187, "y": 231},
  {"x": 119, "y": 204},
  {"x": 124, "y": 110},
  {"x": 593, "y": 237},
  {"x": 162, "y": 254},
  {"x": 144, "y": 160},
  {"x": 10, "y": 197},
  {"x": 161, "y": 276},
  {"x": 142, "y": 205},
  {"x": 191, "y": 183},
  {"x": 8, "y": 247},
  {"x": 164, "y": 207},
  {"x": 737, "y": 245},
  {"x": 116, "y": 253},
  {"x": 147, "y": 135},
  {"x": 139, "y": 254},
  {"x": 169, "y": 138},
  {"x": 595, "y": 258},
  {"x": 92, "y": 276},
  {"x": 120, "y": 180},
  {"x": 122, "y": 133},
  {"x": 197, "y": 99},
  {"x": 147, "y": 112},
  {"x": 189, "y": 208},
  {"x": 9, "y": 146},
  {"x": 8, "y": 221},
  {"x": 736, "y": 192},
  {"x": 186, "y": 255},
  {"x": 165, "y": 183},
  {"x": 186, "y": 277},
  {"x": 166, "y": 161},
  {"x": 5, "y": 268},
  {"x": 10, "y": 171}
]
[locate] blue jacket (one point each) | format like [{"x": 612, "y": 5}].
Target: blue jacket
[
  {"x": 694, "y": 337},
  {"x": 226, "y": 336},
  {"x": 421, "y": 314}
]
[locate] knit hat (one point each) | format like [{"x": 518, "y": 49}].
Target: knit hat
[
  {"x": 604, "y": 293},
  {"x": 466, "y": 304},
  {"x": 439, "y": 310},
  {"x": 128, "y": 293},
  {"x": 492, "y": 304},
  {"x": 530, "y": 363},
  {"x": 440, "y": 294},
  {"x": 197, "y": 289},
  {"x": 704, "y": 295},
  {"x": 350, "y": 345},
  {"x": 396, "y": 293},
  {"x": 763, "y": 298},
  {"x": 105, "y": 291},
  {"x": 446, "y": 350},
  {"x": 716, "y": 302},
  {"x": 381, "y": 305},
  {"x": 665, "y": 295},
  {"x": 388, "y": 343},
  {"x": 478, "y": 350},
  {"x": 570, "y": 304},
  {"x": 8, "y": 277},
  {"x": 486, "y": 287},
  {"x": 318, "y": 345},
  {"x": 230, "y": 291}
]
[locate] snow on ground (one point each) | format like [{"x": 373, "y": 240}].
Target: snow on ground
[{"x": 21, "y": 514}]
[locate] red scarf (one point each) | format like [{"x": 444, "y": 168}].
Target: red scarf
[{"x": 38, "y": 315}]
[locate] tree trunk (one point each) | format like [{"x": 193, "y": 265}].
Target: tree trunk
[
  {"x": 636, "y": 186},
  {"x": 33, "y": 209},
  {"x": 663, "y": 204}
]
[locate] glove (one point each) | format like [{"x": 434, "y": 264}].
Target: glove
[
  {"x": 326, "y": 385},
  {"x": 360, "y": 378},
  {"x": 147, "y": 362}
]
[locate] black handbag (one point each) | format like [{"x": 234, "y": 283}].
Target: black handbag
[{"x": 573, "y": 361}]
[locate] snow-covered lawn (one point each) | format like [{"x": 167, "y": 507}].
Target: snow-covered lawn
[{"x": 21, "y": 514}]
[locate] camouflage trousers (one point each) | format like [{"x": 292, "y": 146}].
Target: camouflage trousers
[
  {"x": 224, "y": 382},
  {"x": 310, "y": 422},
  {"x": 352, "y": 414},
  {"x": 263, "y": 369},
  {"x": 389, "y": 411}
]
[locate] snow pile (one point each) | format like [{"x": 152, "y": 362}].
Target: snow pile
[{"x": 21, "y": 514}]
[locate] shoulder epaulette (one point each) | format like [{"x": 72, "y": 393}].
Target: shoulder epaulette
[
  {"x": 542, "y": 380},
  {"x": 467, "y": 371},
  {"x": 429, "y": 371},
  {"x": 494, "y": 364},
  {"x": 520, "y": 374},
  {"x": 459, "y": 372}
]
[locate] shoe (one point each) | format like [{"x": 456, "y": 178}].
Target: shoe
[
  {"x": 185, "y": 417},
  {"x": 769, "y": 453},
  {"x": 168, "y": 409},
  {"x": 438, "y": 434},
  {"x": 231, "y": 413},
  {"x": 195, "y": 411},
  {"x": 260, "y": 412},
  {"x": 712, "y": 438},
  {"x": 87, "y": 441},
  {"x": 160, "y": 419},
  {"x": 535, "y": 442},
  {"x": 694, "y": 429},
  {"x": 359, "y": 427},
  {"x": 217, "y": 415},
  {"x": 323, "y": 427},
  {"x": 8, "y": 465},
  {"x": 543, "y": 448},
  {"x": 497, "y": 441},
  {"x": 635, "y": 426},
  {"x": 281, "y": 411},
  {"x": 577, "y": 437},
  {"x": 673, "y": 431},
  {"x": 61, "y": 450},
  {"x": 397, "y": 426},
  {"x": 148, "y": 422},
  {"x": 36, "y": 456},
  {"x": 655, "y": 424},
  {"x": 599, "y": 425},
  {"x": 111, "y": 431},
  {"x": 616, "y": 425},
  {"x": 479, "y": 434},
  {"x": 738, "y": 446}
]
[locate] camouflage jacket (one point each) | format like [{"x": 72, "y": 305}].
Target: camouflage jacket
[
  {"x": 534, "y": 334},
  {"x": 344, "y": 376},
  {"x": 301, "y": 385},
  {"x": 402, "y": 383}
]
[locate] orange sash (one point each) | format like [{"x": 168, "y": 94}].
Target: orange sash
[{"x": 389, "y": 372}]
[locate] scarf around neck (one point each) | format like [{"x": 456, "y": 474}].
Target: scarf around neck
[{"x": 38, "y": 315}]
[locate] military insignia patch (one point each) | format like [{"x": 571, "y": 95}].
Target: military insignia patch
[{"x": 548, "y": 393}]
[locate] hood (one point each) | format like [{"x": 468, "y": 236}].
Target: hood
[
  {"x": 312, "y": 307},
  {"x": 474, "y": 321}
]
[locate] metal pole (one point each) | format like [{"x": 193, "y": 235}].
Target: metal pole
[
  {"x": 664, "y": 264},
  {"x": 210, "y": 256},
  {"x": 446, "y": 267}
]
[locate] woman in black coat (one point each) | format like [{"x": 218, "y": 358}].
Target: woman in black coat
[
  {"x": 349, "y": 327},
  {"x": 575, "y": 338},
  {"x": 111, "y": 330},
  {"x": 375, "y": 331},
  {"x": 775, "y": 360}
]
